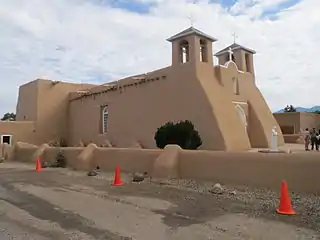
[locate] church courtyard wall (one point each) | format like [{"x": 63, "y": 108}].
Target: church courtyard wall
[{"x": 299, "y": 169}]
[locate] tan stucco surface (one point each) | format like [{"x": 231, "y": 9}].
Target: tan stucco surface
[
  {"x": 299, "y": 169},
  {"x": 297, "y": 121}
]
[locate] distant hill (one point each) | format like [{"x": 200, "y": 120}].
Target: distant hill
[{"x": 302, "y": 109}]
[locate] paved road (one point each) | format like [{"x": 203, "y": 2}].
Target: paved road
[
  {"x": 57, "y": 205},
  {"x": 24, "y": 215}
]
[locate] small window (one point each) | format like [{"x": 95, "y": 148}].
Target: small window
[
  {"x": 203, "y": 51},
  {"x": 6, "y": 139},
  {"x": 248, "y": 65},
  {"x": 105, "y": 115},
  {"x": 184, "y": 51},
  {"x": 232, "y": 57},
  {"x": 235, "y": 83}
]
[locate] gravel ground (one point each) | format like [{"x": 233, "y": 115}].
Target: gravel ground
[
  {"x": 256, "y": 202},
  {"x": 71, "y": 205}
]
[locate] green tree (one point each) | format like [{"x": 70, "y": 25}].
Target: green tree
[
  {"x": 317, "y": 112},
  {"x": 289, "y": 108},
  {"x": 8, "y": 117},
  {"x": 182, "y": 133}
]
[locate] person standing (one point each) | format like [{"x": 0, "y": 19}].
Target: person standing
[
  {"x": 313, "y": 136},
  {"x": 306, "y": 139},
  {"x": 318, "y": 141}
]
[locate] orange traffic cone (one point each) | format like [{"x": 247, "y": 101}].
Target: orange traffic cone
[
  {"x": 285, "y": 201},
  {"x": 117, "y": 178},
  {"x": 38, "y": 165}
]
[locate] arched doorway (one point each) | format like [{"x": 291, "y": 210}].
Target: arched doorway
[{"x": 242, "y": 114}]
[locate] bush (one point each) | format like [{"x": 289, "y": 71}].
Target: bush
[
  {"x": 181, "y": 133},
  {"x": 61, "y": 161},
  {"x": 60, "y": 142}
]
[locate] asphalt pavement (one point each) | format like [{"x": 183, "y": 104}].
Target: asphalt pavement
[{"x": 61, "y": 204}]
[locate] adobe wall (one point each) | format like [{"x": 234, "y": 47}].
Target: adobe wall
[
  {"x": 294, "y": 138},
  {"x": 106, "y": 158},
  {"x": 23, "y": 152},
  {"x": 288, "y": 122},
  {"x": 130, "y": 160},
  {"x": 155, "y": 102},
  {"x": 5, "y": 151},
  {"x": 138, "y": 110},
  {"x": 300, "y": 170},
  {"x": 309, "y": 120},
  {"x": 27, "y": 107},
  {"x": 219, "y": 95},
  {"x": 260, "y": 118},
  {"x": 297, "y": 121},
  {"x": 52, "y": 110},
  {"x": 41, "y": 112},
  {"x": 20, "y": 131}
]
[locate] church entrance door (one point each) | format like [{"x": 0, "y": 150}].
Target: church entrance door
[{"x": 242, "y": 114}]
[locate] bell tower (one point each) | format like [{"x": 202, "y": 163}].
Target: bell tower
[
  {"x": 191, "y": 46},
  {"x": 241, "y": 56}
]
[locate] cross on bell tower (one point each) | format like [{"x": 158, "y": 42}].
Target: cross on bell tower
[
  {"x": 234, "y": 37},
  {"x": 190, "y": 14},
  {"x": 191, "y": 19}
]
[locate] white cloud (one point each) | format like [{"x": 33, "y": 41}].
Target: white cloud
[{"x": 76, "y": 40}]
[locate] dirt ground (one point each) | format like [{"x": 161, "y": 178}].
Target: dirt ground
[{"x": 63, "y": 204}]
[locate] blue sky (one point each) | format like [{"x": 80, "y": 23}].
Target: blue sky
[
  {"x": 98, "y": 41},
  {"x": 275, "y": 9},
  {"x": 144, "y": 7}
]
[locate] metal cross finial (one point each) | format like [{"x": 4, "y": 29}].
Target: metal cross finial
[
  {"x": 234, "y": 37},
  {"x": 190, "y": 17},
  {"x": 230, "y": 53}
]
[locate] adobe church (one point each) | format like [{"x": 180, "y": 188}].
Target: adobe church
[{"x": 221, "y": 100}]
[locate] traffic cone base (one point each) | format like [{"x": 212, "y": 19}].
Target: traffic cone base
[
  {"x": 285, "y": 206},
  {"x": 38, "y": 165},
  {"x": 117, "y": 178},
  {"x": 117, "y": 184},
  {"x": 291, "y": 212}
]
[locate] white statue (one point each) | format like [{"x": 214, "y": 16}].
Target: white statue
[{"x": 274, "y": 138}]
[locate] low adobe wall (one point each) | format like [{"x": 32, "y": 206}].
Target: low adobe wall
[
  {"x": 129, "y": 159},
  {"x": 300, "y": 170},
  {"x": 5, "y": 151},
  {"x": 23, "y": 152},
  {"x": 86, "y": 158},
  {"x": 293, "y": 138}
]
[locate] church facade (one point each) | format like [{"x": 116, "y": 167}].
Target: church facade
[{"x": 221, "y": 100}]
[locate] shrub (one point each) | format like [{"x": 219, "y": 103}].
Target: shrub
[
  {"x": 63, "y": 142},
  {"x": 182, "y": 133},
  {"x": 61, "y": 160},
  {"x": 60, "y": 142}
]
